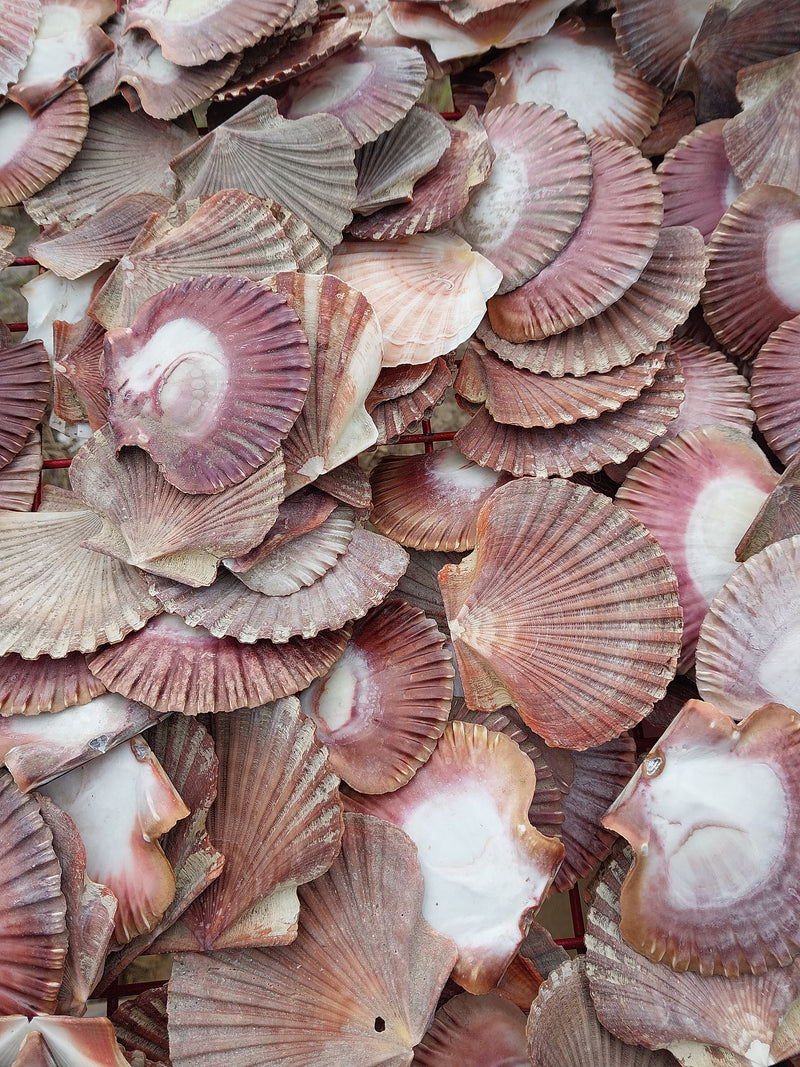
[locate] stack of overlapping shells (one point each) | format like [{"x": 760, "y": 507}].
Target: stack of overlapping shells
[{"x": 326, "y": 726}]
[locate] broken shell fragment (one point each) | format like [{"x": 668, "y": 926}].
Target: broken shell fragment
[
  {"x": 582, "y": 650},
  {"x": 208, "y": 378}
]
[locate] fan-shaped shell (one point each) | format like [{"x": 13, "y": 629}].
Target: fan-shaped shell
[
  {"x": 470, "y": 1031},
  {"x": 306, "y": 165},
  {"x": 521, "y": 217},
  {"x": 28, "y": 687},
  {"x": 362, "y": 918},
  {"x": 24, "y": 388},
  {"x": 655, "y": 36},
  {"x": 643, "y": 317},
  {"x": 20, "y": 478},
  {"x": 345, "y": 343},
  {"x": 19, "y": 19},
  {"x": 361, "y": 578},
  {"x": 174, "y": 667},
  {"x": 697, "y": 180},
  {"x": 745, "y": 652},
  {"x": 209, "y": 377},
  {"x": 605, "y": 255},
  {"x": 579, "y": 664},
  {"x": 33, "y": 933},
  {"x": 389, "y": 166},
  {"x": 775, "y": 396},
  {"x": 57, "y": 597},
  {"x": 141, "y": 1023},
  {"x": 384, "y": 703},
  {"x": 428, "y": 291},
  {"x": 277, "y": 820}
]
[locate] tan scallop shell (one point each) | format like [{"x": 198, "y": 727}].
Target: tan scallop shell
[
  {"x": 429, "y": 291},
  {"x": 643, "y": 317},
  {"x": 123, "y": 152},
  {"x": 346, "y": 347},
  {"x": 277, "y": 820},
  {"x": 159, "y": 529},
  {"x": 362, "y": 918},
  {"x": 33, "y": 933},
  {"x": 58, "y": 597},
  {"x": 361, "y": 578},
  {"x": 544, "y": 644},
  {"x": 383, "y": 705},
  {"x": 306, "y": 165},
  {"x": 174, "y": 667}
]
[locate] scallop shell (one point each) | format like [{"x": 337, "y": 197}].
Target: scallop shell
[
  {"x": 643, "y": 317},
  {"x": 37, "y": 748},
  {"x": 428, "y": 291},
  {"x": 56, "y": 1041},
  {"x": 78, "y": 358},
  {"x": 362, "y": 577},
  {"x": 197, "y": 35},
  {"x": 774, "y": 393},
  {"x": 536, "y": 194},
  {"x": 675, "y": 121},
  {"x": 96, "y": 239},
  {"x": 174, "y": 667},
  {"x": 543, "y": 644},
  {"x": 25, "y": 389},
  {"x": 186, "y": 752},
  {"x": 220, "y": 346},
  {"x": 348, "y": 484},
  {"x": 586, "y": 445},
  {"x": 470, "y": 1031},
  {"x": 91, "y": 908},
  {"x": 441, "y": 193},
  {"x": 697, "y": 180},
  {"x": 430, "y": 501},
  {"x": 122, "y": 153},
  {"x": 58, "y": 597},
  {"x": 344, "y": 340},
  {"x": 704, "y": 1020},
  {"x": 389, "y": 166},
  {"x": 19, "y": 479},
  {"x": 745, "y": 652},
  {"x": 383, "y": 705},
  {"x": 394, "y": 417},
  {"x": 305, "y": 165},
  {"x": 156, "y": 527},
  {"x": 141, "y": 1023},
  {"x": 605, "y": 255},
  {"x": 28, "y": 687},
  {"x": 33, "y": 933},
  {"x": 231, "y": 233},
  {"x": 777, "y": 518},
  {"x": 751, "y": 283},
  {"x": 36, "y": 150},
  {"x": 520, "y": 398},
  {"x": 697, "y": 495},
  {"x": 278, "y": 821},
  {"x": 364, "y": 918},
  {"x": 563, "y": 1029},
  {"x": 420, "y": 587},
  {"x": 68, "y": 43},
  {"x": 19, "y": 19},
  {"x": 600, "y": 774},
  {"x": 300, "y": 562},
  {"x": 758, "y": 139},
  {"x": 124, "y": 797},
  {"x": 656, "y": 37},
  {"x": 298, "y": 514},
  {"x": 695, "y": 898},
  {"x": 368, "y": 89},
  {"x": 615, "y": 101},
  {"x": 438, "y": 810}
]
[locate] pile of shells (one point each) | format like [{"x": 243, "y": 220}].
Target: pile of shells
[{"x": 325, "y": 727}]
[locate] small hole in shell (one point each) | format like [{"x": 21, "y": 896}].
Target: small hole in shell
[{"x": 380, "y": 1024}]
